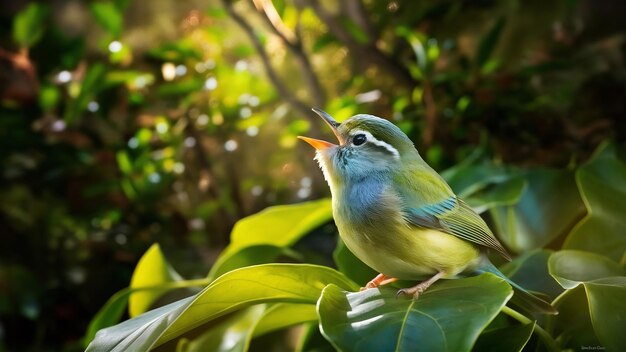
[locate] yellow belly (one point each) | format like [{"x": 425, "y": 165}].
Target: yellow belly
[{"x": 409, "y": 252}]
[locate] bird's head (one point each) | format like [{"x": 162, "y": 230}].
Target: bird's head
[{"x": 369, "y": 146}]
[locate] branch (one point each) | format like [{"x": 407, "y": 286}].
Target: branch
[
  {"x": 269, "y": 69},
  {"x": 294, "y": 44},
  {"x": 368, "y": 54}
]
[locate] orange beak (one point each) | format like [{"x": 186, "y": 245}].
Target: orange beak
[{"x": 318, "y": 143}]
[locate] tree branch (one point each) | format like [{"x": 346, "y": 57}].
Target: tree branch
[
  {"x": 294, "y": 44},
  {"x": 368, "y": 54},
  {"x": 269, "y": 69}
]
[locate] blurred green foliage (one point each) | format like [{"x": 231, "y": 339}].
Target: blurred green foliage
[{"x": 125, "y": 123}]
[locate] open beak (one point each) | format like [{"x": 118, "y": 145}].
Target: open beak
[{"x": 318, "y": 143}]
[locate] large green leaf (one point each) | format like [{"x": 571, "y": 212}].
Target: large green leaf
[
  {"x": 291, "y": 283},
  {"x": 114, "y": 308},
  {"x": 602, "y": 184},
  {"x": 573, "y": 324},
  {"x": 140, "y": 333},
  {"x": 549, "y": 206},
  {"x": 530, "y": 270},
  {"x": 605, "y": 287},
  {"x": 484, "y": 184},
  {"x": 28, "y": 25},
  {"x": 152, "y": 270},
  {"x": 474, "y": 174},
  {"x": 570, "y": 268},
  {"x": 507, "y": 192},
  {"x": 278, "y": 226},
  {"x": 505, "y": 339},
  {"x": 232, "y": 335},
  {"x": 282, "y": 315},
  {"x": 607, "y": 304},
  {"x": 447, "y": 317},
  {"x": 247, "y": 256}
]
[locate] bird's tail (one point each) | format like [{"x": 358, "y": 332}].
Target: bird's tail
[{"x": 521, "y": 297}]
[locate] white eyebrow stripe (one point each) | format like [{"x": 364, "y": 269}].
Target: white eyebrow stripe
[{"x": 377, "y": 142}]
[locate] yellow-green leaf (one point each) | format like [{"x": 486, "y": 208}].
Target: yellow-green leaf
[
  {"x": 238, "y": 289},
  {"x": 152, "y": 270},
  {"x": 278, "y": 226}
]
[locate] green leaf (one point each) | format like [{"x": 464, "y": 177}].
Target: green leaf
[
  {"x": 138, "y": 334},
  {"x": 109, "y": 314},
  {"x": 530, "y": 270},
  {"x": 311, "y": 340},
  {"x": 607, "y": 304},
  {"x": 278, "y": 226},
  {"x": 507, "y": 192},
  {"x": 238, "y": 289},
  {"x": 548, "y": 208},
  {"x": 108, "y": 16},
  {"x": 152, "y": 270},
  {"x": 232, "y": 335},
  {"x": 114, "y": 308},
  {"x": 282, "y": 315},
  {"x": 505, "y": 339},
  {"x": 489, "y": 42},
  {"x": 323, "y": 41},
  {"x": 89, "y": 87},
  {"x": 474, "y": 174},
  {"x": 447, "y": 317},
  {"x": 573, "y": 324},
  {"x": 247, "y": 256},
  {"x": 602, "y": 185},
  {"x": 355, "y": 31},
  {"x": 570, "y": 268},
  {"x": 605, "y": 287},
  {"x": 181, "y": 87},
  {"x": 28, "y": 25}
]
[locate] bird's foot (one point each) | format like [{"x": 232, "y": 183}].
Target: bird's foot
[
  {"x": 379, "y": 280},
  {"x": 418, "y": 289},
  {"x": 414, "y": 291}
]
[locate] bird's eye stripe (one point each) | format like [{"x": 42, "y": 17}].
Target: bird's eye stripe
[{"x": 373, "y": 140}]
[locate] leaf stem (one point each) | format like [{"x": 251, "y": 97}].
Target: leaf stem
[
  {"x": 543, "y": 335},
  {"x": 550, "y": 319}
]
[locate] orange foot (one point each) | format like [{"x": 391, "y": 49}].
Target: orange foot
[{"x": 379, "y": 280}]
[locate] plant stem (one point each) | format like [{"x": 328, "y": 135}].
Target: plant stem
[
  {"x": 547, "y": 339},
  {"x": 550, "y": 319}
]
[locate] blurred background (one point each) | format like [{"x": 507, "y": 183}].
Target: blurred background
[{"x": 125, "y": 123}]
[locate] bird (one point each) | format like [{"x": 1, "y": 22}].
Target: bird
[{"x": 399, "y": 216}]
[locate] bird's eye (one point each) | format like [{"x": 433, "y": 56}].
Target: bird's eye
[{"x": 359, "y": 139}]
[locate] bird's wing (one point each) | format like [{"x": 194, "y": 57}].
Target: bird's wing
[{"x": 455, "y": 217}]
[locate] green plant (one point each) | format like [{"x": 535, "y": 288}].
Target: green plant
[{"x": 245, "y": 297}]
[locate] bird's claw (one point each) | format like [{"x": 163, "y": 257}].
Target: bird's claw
[{"x": 411, "y": 291}]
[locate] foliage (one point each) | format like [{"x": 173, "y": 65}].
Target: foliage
[
  {"x": 127, "y": 123},
  {"x": 453, "y": 315}
]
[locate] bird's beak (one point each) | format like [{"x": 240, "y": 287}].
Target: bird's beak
[
  {"x": 320, "y": 144},
  {"x": 317, "y": 143}
]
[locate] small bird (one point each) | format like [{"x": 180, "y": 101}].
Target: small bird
[{"x": 398, "y": 215}]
